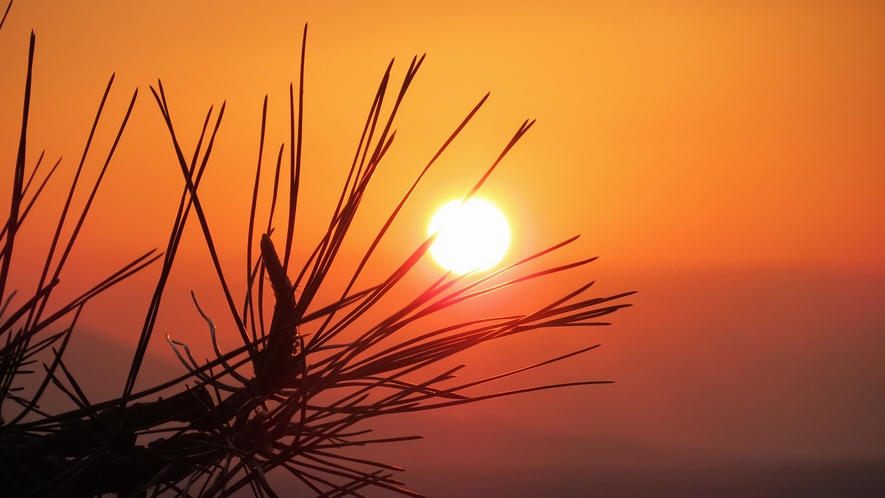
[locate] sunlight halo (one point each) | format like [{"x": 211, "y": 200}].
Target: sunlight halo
[{"x": 472, "y": 236}]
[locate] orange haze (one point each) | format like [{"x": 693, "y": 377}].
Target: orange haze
[{"x": 725, "y": 159}]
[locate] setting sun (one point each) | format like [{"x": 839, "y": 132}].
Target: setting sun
[{"x": 472, "y": 236}]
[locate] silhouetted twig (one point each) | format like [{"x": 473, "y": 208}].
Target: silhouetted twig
[{"x": 308, "y": 396}]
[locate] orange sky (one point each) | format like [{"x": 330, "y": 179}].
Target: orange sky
[{"x": 726, "y": 159}]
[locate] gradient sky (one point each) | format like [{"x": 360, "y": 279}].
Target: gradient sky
[{"x": 725, "y": 159}]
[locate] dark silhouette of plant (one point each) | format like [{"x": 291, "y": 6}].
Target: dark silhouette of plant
[{"x": 283, "y": 399}]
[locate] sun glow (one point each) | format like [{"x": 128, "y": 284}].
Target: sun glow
[{"x": 472, "y": 236}]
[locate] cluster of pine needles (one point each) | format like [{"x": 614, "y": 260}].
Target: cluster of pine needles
[{"x": 309, "y": 396}]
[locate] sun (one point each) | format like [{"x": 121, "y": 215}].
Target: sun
[{"x": 472, "y": 236}]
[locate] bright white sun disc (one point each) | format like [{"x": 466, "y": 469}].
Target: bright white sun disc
[{"x": 472, "y": 236}]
